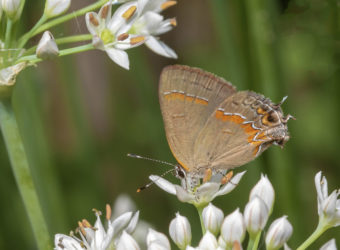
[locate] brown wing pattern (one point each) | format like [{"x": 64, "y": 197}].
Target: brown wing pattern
[
  {"x": 231, "y": 137},
  {"x": 188, "y": 97}
]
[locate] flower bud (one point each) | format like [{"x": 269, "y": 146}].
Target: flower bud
[
  {"x": 255, "y": 215},
  {"x": 180, "y": 231},
  {"x": 279, "y": 232},
  {"x": 265, "y": 191},
  {"x": 208, "y": 242},
  {"x": 329, "y": 245},
  {"x": 12, "y": 8},
  {"x": 47, "y": 47},
  {"x": 56, "y": 7},
  {"x": 212, "y": 218},
  {"x": 126, "y": 242},
  {"x": 157, "y": 241},
  {"x": 233, "y": 228}
]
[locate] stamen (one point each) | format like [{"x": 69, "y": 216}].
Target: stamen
[
  {"x": 105, "y": 11},
  {"x": 136, "y": 40},
  {"x": 173, "y": 22},
  {"x": 81, "y": 227},
  {"x": 86, "y": 223},
  {"x": 97, "y": 212},
  {"x": 108, "y": 212},
  {"x": 93, "y": 20},
  {"x": 207, "y": 175},
  {"x": 168, "y": 4},
  {"x": 122, "y": 37},
  {"x": 129, "y": 13},
  {"x": 227, "y": 177}
]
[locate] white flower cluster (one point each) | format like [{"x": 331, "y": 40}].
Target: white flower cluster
[
  {"x": 134, "y": 23},
  {"x": 220, "y": 232}
]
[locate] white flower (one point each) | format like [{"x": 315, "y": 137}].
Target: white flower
[
  {"x": 151, "y": 24},
  {"x": 12, "y": 8},
  {"x": 56, "y": 7},
  {"x": 233, "y": 228},
  {"x": 157, "y": 241},
  {"x": 126, "y": 242},
  {"x": 328, "y": 205},
  {"x": 212, "y": 218},
  {"x": 47, "y": 47},
  {"x": 110, "y": 31},
  {"x": 256, "y": 215},
  {"x": 329, "y": 245},
  {"x": 201, "y": 195},
  {"x": 180, "y": 231},
  {"x": 264, "y": 189},
  {"x": 279, "y": 233},
  {"x": 97, "y": 237}
]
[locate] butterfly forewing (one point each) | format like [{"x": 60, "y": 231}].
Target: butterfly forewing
[{"x": 188, "y": 97}]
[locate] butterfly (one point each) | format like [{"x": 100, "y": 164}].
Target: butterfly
[{"x": 211, "y": 125}]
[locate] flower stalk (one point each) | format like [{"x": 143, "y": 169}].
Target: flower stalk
[
  {"x": 254, "y": 240},
  {"x": 69, "y": 16},
  {"x": 65, "y": 52},
  {"x": 200, "y": 211},
  {"x": 320, "y": 229},
  {"x": 22, "y": 173}
]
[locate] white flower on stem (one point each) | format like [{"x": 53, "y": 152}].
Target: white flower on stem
[
  {"x": 264, "y": 189},
  {"x": 126, "y": 242},
  {"x": 47, "y": 47},
  {"x": 233, "y": 228},
  {"x": 12, "y": 8},
  {"x": 56, "y": 7},
  {"x": 110, "y": 31},
  {"x": 278, "y": 233},
  {"x": 329, "y": 245},
  {"x": 157, "y": 241},
  {"x": 98, "y": 237},
  {"x": 208, "y": 242},
  {"x": 212, "y": 218},
  {"x": 201, "y": 195},
  {"x": 256, "y": 215},
  {"x": 180, "y": 231},
  {"x": 151, "y": 24},
  {"x": 328, "y": 205}
]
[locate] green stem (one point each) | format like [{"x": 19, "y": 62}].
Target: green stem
[
  {"x": 8, "y": 33},
  {"x": 69, "y": 16},
  {"x": 23, "y": 40},
  {"x": 200, "y": 210},
  {"x": 320, "y": 229},
  {"x": 65, "y": 52},
  {"x": 254, "y": 241},
  {"x": 22, "y": 173},
  {"x": 64, "y": 40}
]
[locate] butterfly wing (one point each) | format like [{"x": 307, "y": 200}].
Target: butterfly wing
[
  {"x": 234, "y": 134},
  {"x": 188, "y": 96}
]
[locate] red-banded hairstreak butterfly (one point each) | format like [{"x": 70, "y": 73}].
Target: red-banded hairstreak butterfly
[{"x": 210, "y": 125}]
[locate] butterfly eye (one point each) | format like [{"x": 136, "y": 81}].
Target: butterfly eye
[{"x": 270, "y": 118}]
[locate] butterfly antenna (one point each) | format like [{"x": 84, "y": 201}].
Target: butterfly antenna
[
  {"x": 151, "y": 159},
  {"x": 152, "y": 182}
]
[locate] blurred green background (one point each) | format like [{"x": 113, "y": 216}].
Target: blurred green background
[{"x": 80, "y": 116}]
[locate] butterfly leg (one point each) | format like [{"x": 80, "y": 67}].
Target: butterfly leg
[
  {"x": 225, "y": 179},
  {"x": 207, "y": 175}
]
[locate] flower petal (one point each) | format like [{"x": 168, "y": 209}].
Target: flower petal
[
  {"x": 160, "y": 48},
  {"x": 118, "y": 56},
  {"x": 120, "y": 223},
  {"x": 126, "y": 242},
  {"x": 183, "y": 195},
  {"x": 163, "y": 184},
  {"x": 208, "y": 242},
  {"x": 63, "y": 242},
  {"x": 157, "y": 241},
  {"x": 230, "y": 185}
]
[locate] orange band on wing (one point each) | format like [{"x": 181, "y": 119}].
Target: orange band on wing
[
  {"x": 184, "y": 97},
  {"x": 248, "y": 129}
]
